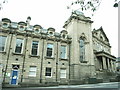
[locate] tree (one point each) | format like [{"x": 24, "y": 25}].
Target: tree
[
  {"x": 91, "y": 5},
  {"x": 1, "y": 3},
  {"x": 116, "y": 3}
]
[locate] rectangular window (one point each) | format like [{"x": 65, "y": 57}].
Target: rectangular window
[
  {"x": 49, "y": 50},
  {"x": 2, "y": 43},
  {"x": 48, "y": 72},
  {"x": 63, "y": 53},
  {"x": 34, "y": 48},
  {"x": 63, "y": 73},
  {"x": 32, "y": 71},
  {"x": 19, "y": 45}
]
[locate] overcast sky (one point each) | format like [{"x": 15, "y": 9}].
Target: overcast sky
[{"x": 53, "y": 13}]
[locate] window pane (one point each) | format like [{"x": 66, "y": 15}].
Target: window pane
[
  {"x": 49, "y": 45},
  {"x": 34, "y": 52},
  {"x": 19, "y": 44},
  {"x": 2, "y": 42},
  {"x": 82, "y": 50},
  {"x": 63, "y": 52},
  {"x": 32, "y": 71},
  {"x": 33, "y": 68},
  {"x": 18, "y": 50},
  {"x": 81, "y": 43},
  {"x": 34, "y": 47},
  {"x": 49, "y": 50},
  {"x": 21, "y": 28},
  {"x": 5, "y": 25},
  {"x": 49, "y": 53},
  {"x": 63, "y": 73},
  {"x": 48, "y": 72},
  {"x": 48, "y": 69}
]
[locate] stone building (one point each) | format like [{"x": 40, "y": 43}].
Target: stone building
[
  {"x": 118, "y": 64},
  {"x": 32, "y": 54}
]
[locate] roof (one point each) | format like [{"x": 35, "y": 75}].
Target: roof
[
  {"x": 102, "y": 31},
  {"x": 6, "y": 20},
  {"x": 79, "y": 16}
]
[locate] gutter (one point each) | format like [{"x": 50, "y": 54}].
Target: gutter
[{"x": 69, "y": 61}]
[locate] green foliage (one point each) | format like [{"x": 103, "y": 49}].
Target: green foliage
[{"x": 115, "y": 5}]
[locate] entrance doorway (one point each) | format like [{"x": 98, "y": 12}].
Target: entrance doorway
[
  {"x": 14, "y": 78},
  {"x": 14, "y": 75}
]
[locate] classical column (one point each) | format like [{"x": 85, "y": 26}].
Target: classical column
[
  {"x": 112, "y": 65},
  {"x": 104, "y": 62},
  {"x": 108, "y": 63}
]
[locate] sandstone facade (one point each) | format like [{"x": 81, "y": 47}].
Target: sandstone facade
[{"x": 32, "y": 54}]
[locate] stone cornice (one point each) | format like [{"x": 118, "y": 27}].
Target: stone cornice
[
  {"x": 85, "y": 19},
  {"x": 35, "y": 35},
  {"x": 102, "y": 53}
]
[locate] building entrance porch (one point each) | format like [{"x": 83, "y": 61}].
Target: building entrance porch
[{"x": 106, "y": 61}]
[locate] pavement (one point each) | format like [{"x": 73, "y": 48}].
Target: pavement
[{"x": 99, "y": 86}]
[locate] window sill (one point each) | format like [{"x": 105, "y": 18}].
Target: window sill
[
  {"x": 17, "y": 53},
  {"x": 63, "y": 59},
  {"x": 34, "y": 56},
  {"x": 62, "y": 77},
  {"x": 47, "y": 57},
  {"x": 83, "y": 61},
  {"x": 48, "y": 76},
  {"x": 100, "y": 70},
  {"x": 32, "y": 76},
  {"x": 3, "y": 52}
]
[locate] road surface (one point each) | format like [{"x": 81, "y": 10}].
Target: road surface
[{"x": 100, "y": 86}]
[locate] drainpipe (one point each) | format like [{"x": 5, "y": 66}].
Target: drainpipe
[
  {"x": 7, "y": 57},
  {"x": 24, "y": 57},
  {"x": 42, "y": 62},
  {"x": 69, "y": 60},
  {"x": 57, "y": 63},
  {"x": 28, "y": 25}
]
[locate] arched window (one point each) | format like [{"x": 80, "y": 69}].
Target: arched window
[{"x": 82, "y": 49}]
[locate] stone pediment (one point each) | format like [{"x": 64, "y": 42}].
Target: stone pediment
[{"x": 100, "y": 34}]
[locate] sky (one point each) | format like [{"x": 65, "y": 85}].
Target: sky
[{"x": 53, "y": 13}]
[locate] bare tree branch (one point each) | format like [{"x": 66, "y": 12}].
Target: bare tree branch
[{"x": 2, "y": 3}]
